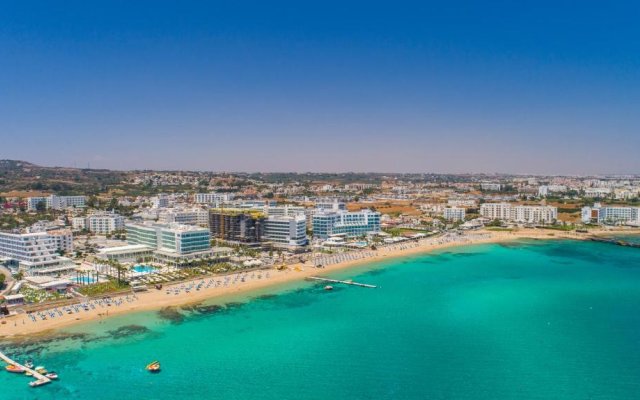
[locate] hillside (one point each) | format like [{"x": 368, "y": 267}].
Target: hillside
[{"x": 18, "y": 177}]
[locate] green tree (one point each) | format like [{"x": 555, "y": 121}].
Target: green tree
[{"x": 41, "y": 206}]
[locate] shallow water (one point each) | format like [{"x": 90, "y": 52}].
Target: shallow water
[{"x": 527, "y": 320}]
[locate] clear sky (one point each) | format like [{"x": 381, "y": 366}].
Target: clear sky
[{"x": 447, "y": 86}]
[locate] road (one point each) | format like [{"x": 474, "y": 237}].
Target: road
[{"x": 8, "y": 280}]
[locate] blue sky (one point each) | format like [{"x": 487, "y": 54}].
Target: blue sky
[{"x": 524, "y": 87}]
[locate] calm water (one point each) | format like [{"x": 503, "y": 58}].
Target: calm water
[{"x": 528, "y": 320}]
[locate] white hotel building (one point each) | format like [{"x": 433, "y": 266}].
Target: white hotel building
[
  {"x": 524, "y": 214},
  {"x": 454, "y": 214},
  {"x": 286, "y": 231},
  {"x": 33, "y": 253},
  {"x": 212, "y": 198},
  {"x": 56, "y": 202},
  {"x": 100, "y": 223},
  {"x": 611, "y": 215},
  {"x": 195, "y": 216}
]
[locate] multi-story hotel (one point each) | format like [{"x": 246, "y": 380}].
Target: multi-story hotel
[
  {"x": 214, "y": 199},
  {"x": 56, "y": 202},
  {"x": 525, "y": 214},
  {"x": 501, "y": 211},
  {"x": 195, "y": 216},
  {"x": 534, "y": 214},
  {"x": 454, "y": 214},
  {"x": 286, "y": 231},
  {"x": 284, "y": 210},
  {"x": 171, "y": 243},
  {"x": 33, "y": 253},
  {"x": 491, "y": 186},
  {"x": 332, "y": 205},
  {"x": 611, "y": 215},
  {"x": 101, "y": 223},
  {"x": 350, "y": 224},
  {"x": 63, "y": 239}
]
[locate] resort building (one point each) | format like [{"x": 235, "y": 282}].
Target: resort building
[
  {"x": 333, "y": 205},
  {"x": 195, "y": 216},
  {"x": 33, "y": 253},
  {"x": 454, "y": 214},
  {"x": 160, "y": 201},
  {"x": 611, "y": 215},
  {"x": 237, "y": 225},
  {"x": 63, "y": 239},
  {"x": 286, "y": 231},
  {"x": 546, "y": 190},
  {"x": 535, "y": 214},
  {"x": 461, "y": 203},
  {"x": 597, "y": 192},
  {"x": 101, "y": 223},
  {"x": 171, "y": 243},
  {"x": 523, "y": 214},
  {"x": 56, "y": 202},
  {"x": 500, "y": 211},
  {"x": 128, "y": 253},
  {"x": 351, "y": 224},
  {"x": 491, "y": 186},
  {"x": 284, "y": 210},
  {"x": 214, "y": 199}
]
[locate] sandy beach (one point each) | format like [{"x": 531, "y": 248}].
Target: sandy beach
[{"x": 211, "y": 287}]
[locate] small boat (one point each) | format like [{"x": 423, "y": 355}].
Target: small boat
[
  {"x": 29, "y": 363},
  {"x": 328, "y": 287},
  {"x": 153, "y": 367},
  {"x": 51, "y": 375},
  {"x": 41, "y": 370},
  {"x": 14, "y": 368}
]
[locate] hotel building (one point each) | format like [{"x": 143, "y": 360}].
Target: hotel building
[
  {"x": 286, "y": 231},
  {"x": 350, "y": 224},
  {"x": 524, "y": 214},
  {"x": 214, "y": 199},
  {"x": 56, "y": 202},
  {"x": 171, "y": 243},
  {"x": 33, "y": 253},
  {"x": 454, "y": 214},
  {"x": 101, "y": 223},
  {"x": 611, "y": 215},
  {"x": 195, "y": 216}
]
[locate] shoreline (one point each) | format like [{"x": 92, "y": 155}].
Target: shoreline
[{"x": 20, "y": 326}]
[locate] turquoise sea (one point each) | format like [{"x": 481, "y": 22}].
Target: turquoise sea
[{"x": 523, "y": 320}]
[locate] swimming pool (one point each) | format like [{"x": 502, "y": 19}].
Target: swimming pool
[
  {"x": 84, "y": 280},
  {"x": 143, "y": 269}
]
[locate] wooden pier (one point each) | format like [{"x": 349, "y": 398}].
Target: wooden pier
[
  {"x": 366, "y": 285},
  {"x": 40, "y": 379}
]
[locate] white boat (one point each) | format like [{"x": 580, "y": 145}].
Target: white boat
[
  {"x": 328, "y": 287},
  {"x": 51, "y": 375}
]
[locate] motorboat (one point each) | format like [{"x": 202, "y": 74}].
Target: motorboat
[
  {"x": 51, "y": 375},
  {"x": 328, "y": 287},
  {"x": 153, "y": 366},
  {"x": 14, "y": 368}
]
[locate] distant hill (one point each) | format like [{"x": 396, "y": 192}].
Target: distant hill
[{"x": 23, "y": 176}]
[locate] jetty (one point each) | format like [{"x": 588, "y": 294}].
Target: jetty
[
  {"x": 40, "y": 379},
  {"x": 366, "y": 285},
  {"x": 614, "y": 241}
]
